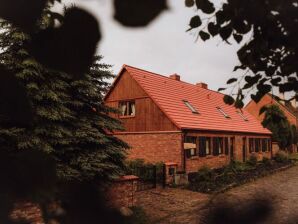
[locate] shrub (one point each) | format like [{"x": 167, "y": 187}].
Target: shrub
[
  {"x": 252, "y": 161},
  {"x": 281, "y": 157},
  {"x": 203, "y": 180},
  {"x": 266, "y": 161}
]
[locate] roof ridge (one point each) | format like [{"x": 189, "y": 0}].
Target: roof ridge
[{"x": 154, "y": 73}]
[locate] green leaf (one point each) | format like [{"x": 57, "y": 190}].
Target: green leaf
[
  {"x": 232, "y": 80},
  {"x": 204, "y": 36},
  {"x": 228, "y": 100}
]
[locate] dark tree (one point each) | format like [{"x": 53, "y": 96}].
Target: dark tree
[
  {"x": 267, "y": 32},
  {"x": 70, "y": 121},
  {"x": 276, "y": 121}
]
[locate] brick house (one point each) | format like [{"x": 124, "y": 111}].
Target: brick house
[
  {"x": 289, "y": 108},
  {"x": 184, "y": 125}
]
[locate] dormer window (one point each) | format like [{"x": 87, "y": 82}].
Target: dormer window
[
  {"x": 127, "y": 108},
  {"x": 193, "y": 110},
  {"x": 223, "y": 112},
  {"x": 242, "y": 115}
]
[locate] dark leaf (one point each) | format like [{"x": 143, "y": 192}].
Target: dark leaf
[
  {"x": 213, "y": 29},
  {"x": 263, "y": 109},
  {"x": 237, "y": 37},
  {"x": 232, "y": 80},
  {"x": 225, "y": 32},
  {"x": 189, "y": 3},
  {"x": 228, "y": 100},
  {"x": 239, "y": 67},
  {"x": 221, "y": 89},
  {"x": 241, "y": 27},
  {"x": 206, "y": 6},
  {"x": 22, "y": 13},
  {"x": 68, "y": 48},
  {"x": 137, "y": 13},
  {"x": 195, "y": 22},
  {"x": 239, "y": 104},
  {"x": 204, "y": 36}
]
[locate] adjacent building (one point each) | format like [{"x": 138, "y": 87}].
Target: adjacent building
[
  {"x": 186, "y": 126},
  {"x": 289, "y": 108}
]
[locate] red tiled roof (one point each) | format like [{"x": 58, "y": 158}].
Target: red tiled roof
[{"x": 169, "y": 94}]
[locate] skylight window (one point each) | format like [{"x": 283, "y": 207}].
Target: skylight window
[
  {"x": 222, "y": 112},
  {"x": 190, "y": 107},
  {"x": 242, "y": 115}
]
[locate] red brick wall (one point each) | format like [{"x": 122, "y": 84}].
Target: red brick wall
[
  {"x": 26, "y": 211},
  {"x": 122, "y": 192},
  {"x": 155, "y": 147},
  {"x": 194, "y": 164}
]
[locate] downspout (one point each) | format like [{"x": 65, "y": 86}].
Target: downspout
[{"x": 182, "y": 151}]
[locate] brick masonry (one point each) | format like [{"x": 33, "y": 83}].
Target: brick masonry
[
  {"x": 26, "y": 211},
  {"x": 154, "y": 147},
  {"x": 122, "y": 192}
]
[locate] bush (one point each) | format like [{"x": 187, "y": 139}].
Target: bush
[
  {"x": 203, "y": 180},
  {"x": 252, "y": 161},
  {"x": 281, "y": 157},
  {"x": 266, "y": 161}
]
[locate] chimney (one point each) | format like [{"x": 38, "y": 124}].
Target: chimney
[
  {"x": 202, "y": 85},
  {"x": 175, "y": 77}
]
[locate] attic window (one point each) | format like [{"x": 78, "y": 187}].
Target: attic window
[
  {"x": 190, "y": 106},
  {"x": 127, "y": 108},
  {"x": 222, "y": 112},
  {"x": 242, "y": 115}
]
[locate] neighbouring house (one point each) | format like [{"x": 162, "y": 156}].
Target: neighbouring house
[
  {"x": 289, "y": 108},
  {"x": 185, "y": 126}
]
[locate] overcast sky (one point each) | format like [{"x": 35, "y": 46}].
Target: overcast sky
[{"x": 163, "y": 47}]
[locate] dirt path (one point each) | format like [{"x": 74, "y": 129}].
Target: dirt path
[{"x": 178, "y": 206}]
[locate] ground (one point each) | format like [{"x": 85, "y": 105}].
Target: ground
[{"x": 178, "y": 206}]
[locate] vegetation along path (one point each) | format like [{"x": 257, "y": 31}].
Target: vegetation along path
[{"x": 179, "y": 206}]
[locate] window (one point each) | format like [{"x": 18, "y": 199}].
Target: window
[
  {"x": 257, "y": 144},
  {"x": 264, "y": 145},
  {"x": 171, "y": 171},
  {"x": 222, "y": 112},
  {"x": 226, "y": 146},
  {"x": 190, "y": 146},
  {"x": 204, "y": 146},
  {"x": 217, "y": 146},
  {"x": 127, "y": 108},
  {"x": 242, "y": 115},
  {"x": 269, "y": 144},
  {"x": 190, "y": 107},
  {"x": 251, "y": 145}
]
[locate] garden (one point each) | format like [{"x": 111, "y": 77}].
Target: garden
[{"x": 208, "y": 180}]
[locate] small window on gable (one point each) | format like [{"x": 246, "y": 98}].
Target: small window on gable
[
  {"x": 222, "y": 112},
  {"x": 242, "y": 115},
  {"x": 190, "y": 107},
  {"x": 127, "y": 108}
]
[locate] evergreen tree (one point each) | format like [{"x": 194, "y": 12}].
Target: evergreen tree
[
  {"x": 71, "y": 123},
  {"x": 276, "y": 121}
]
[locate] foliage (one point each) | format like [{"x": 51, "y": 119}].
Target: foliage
[
  {"x": 208, "y": 180},
  {"x": 266, "y": 61},
  {"x": 139, "y": 217},
  {"x": 252, "y": 161},
  {"x": 144, "y": 170},
  {"x": 276, "y": 121},
  {"x": 70, "y": 121},
  {"x": 281, "y": 157}
]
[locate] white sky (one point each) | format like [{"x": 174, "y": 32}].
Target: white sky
[{"x": 163, "y": 47}]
